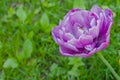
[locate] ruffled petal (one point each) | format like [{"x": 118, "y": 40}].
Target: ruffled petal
[
  {"x": 71, "y": 12},
  {"x": 55, "y": 33},
  {"x": 96, "y": 9},
  {"x": 106, "y": 22},
  {"x": 104, "y": 44},
  {"x": 67, "y": 45},
  {"x": 81, "y": 17},
  {"x": 94, "y": 31},
  {"x": 65, "y": 51},
  {"x": 91, "y": 52},
  {"x": 86, "y": 39},
  {"x": 78, "y": 44}
]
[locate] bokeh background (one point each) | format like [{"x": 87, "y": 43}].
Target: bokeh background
[{"x": 28, "y": 52}]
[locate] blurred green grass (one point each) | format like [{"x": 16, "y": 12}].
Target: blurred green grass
[{"x": 28, "y": 52}]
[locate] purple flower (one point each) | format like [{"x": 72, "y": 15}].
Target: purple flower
[{"x": 83, "y": 33}]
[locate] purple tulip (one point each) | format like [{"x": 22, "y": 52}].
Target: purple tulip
[{"x": 83, "y": 33}]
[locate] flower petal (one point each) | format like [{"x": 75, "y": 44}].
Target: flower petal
[
  {"x": 89, "y": 47},
  {"x": 65, "y": 51},
  {"x": 81, "y": 17},
  {"x": 91, "y": 52},
  {"x": 93, "y": 22},
  {"x": 106, "y": 22},
  {"x": 69, "y": 36},
  {"x": 94, "y": 31},
  {"x": 85, "y": 39},
  {"x": 108, "y": 12},
  {"x": 78, "y": 44},
  {"x": 104, "y": 44},
  {"x": 71, "y": 12},
  {"x": 67, "y": 45},
  {"x": 96, "y": 9},
  {"x": 55, "y": 33}
]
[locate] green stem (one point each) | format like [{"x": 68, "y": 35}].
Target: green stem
[{"x": 109, "y": 66}]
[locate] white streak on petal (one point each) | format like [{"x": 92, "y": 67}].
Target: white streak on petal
[
  {"x": 92, "y": 23},
  {"x": 69, "y": 35},
  {"x": 89, "y": 47},
  {"x": 70, "y": 46}
]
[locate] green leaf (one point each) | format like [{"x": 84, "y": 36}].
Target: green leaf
[
  {"x": 10, "y": 63},
  {"x": 30, "y": 35},
  {"x": 2, "y": 75},
  {"x": 79, "y": 4},
  {"x": 21, "y": 13},
  {"x": 75, "y": 61},
  {"x": 44, "y": 20},
  {"x": 118, "y": 2},
  {"x": 1, "y": 45},
  {"x": 53, "y": 67},
  {"x": 37, "y": 10},
  {"x": 11, "y": 11},
  {"x": 27, "y": 49},
  {"x": 49, "y": 28}
]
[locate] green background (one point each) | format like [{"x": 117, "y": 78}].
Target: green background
[{"x": 28, "y": 52}]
